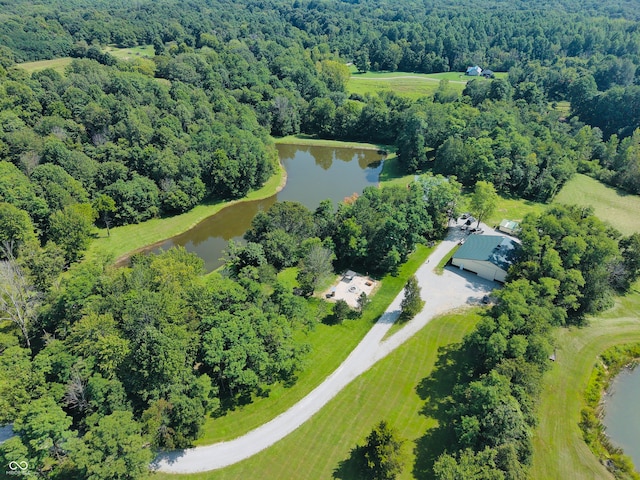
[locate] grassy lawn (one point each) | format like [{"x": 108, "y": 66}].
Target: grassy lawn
[
  {"x": 616, "y": 207},
  {"x": 443, "y": 263},
  {"x": 412, "y": 88},
  {"x": 330, "y": 344},
  {"x": 388, "y": 391},
  {"x": 57, "y": 64},
  {"x": 563, "y": 107},
  {"x": 513, "y": 209},
  {"x": 412, "y": 85},
  {"x": 130, "y": 52},
  {"x": 559, "y": 451},
  {"x": 129, "y": 238}
]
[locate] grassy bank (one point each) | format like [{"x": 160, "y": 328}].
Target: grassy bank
[
  {"x": 129, "y": 238},
  {"x": 330, "y": 344},
  {"x": 391, "y": 390},
  {"x": 559, "y": 448},
  {"x": 303, "y": 139},
  {"x": 392, "y": 173},
  {"x": 618, "y": 208},
  {"x": 610, "y": 363}
]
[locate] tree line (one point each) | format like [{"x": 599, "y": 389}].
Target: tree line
[
  {"x": 124, "y": 361},
  {"x": 569, "y": 266}
]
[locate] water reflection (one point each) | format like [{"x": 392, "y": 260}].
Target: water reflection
[
  {"x": 313, "y": 174},
  {"x": 622, "y": 417}
]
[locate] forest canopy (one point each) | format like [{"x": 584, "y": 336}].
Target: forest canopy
[{"x": 133, "y": 359}]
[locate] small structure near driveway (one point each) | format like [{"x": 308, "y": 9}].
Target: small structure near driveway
[
  {"x": 509, "y": 226},
  {"x": 349, "y": 288},
  {"x": 490, "y": 256}
]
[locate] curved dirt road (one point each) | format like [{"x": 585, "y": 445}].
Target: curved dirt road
[{"x": 442, "y": 293}]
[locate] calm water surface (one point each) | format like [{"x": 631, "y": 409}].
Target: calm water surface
[
  {"x": 313, "y": 174},
  {"x": 622, "y": 413}
]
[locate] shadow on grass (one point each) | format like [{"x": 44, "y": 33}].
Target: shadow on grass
[
  {"x": 352, "y": 468},
  {"x": 451, "y": 368}
]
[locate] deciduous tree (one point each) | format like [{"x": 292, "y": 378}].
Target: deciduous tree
[{"x": 483, "y": 201}]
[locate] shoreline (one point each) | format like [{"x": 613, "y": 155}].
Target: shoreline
[
  {"x": 152, "y": 230},
  {"x": 149, "y": 231},
  {"x": 612, "y": 362},
  {"x": 122, "y": 259}
]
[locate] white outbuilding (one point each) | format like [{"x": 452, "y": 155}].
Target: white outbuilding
[{"x": 490, "y": 256}]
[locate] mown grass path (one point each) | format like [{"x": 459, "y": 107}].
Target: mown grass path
[
  {"x": 389, "y": 390},
  {"x": 559, "y": 450},
  {"x": 442, "y": 293}
]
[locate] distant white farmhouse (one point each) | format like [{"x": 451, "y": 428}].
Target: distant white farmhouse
[
  {"x": 490, "y": 256},
  {"x": 474, "y": 71}
]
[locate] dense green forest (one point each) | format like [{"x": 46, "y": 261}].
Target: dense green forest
[{"x": 111, "y": 359}]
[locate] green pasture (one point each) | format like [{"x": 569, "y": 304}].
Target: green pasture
[
  {"x": 131, "y": 52},
  {"x": 558, "y": 448},
  {"x": 392, "y": 390},
  {"x": 412, "y": 85},
  {"x": 57, "y": 64},
  {"x": 618, "y": 208},
  {"x": 330, "y": 345}
]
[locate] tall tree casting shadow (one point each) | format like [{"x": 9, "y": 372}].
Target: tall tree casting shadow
[
  {"x": 452, "y": 367},
  {"x": 353, "y": 467}
]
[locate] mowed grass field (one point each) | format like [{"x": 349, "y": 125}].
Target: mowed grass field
[
  {"x": 389, "y": 391},
  {"x": 131, "y": 52},
  {"x": 411, "y": 85},
  {"x": 330, "y": 345},
  {"x": 559, "y": 451},
  {"x": 616, "y": 207},
  {"x": 59, "y": 64},
  {"x": 558, "y": 448}
]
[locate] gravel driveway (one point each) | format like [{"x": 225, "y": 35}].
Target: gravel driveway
[{"x": 442, "y": 293}]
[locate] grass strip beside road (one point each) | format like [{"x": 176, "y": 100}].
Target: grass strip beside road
[
  {"x": 389, "y": 391},
  {"x": 330, "y": 346},
  {"x": 443, "y": 263}
]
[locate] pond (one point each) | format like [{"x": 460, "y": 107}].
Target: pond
[
  {"x": 314, "y": 173},
  {"x": 622, "y": 415}
]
